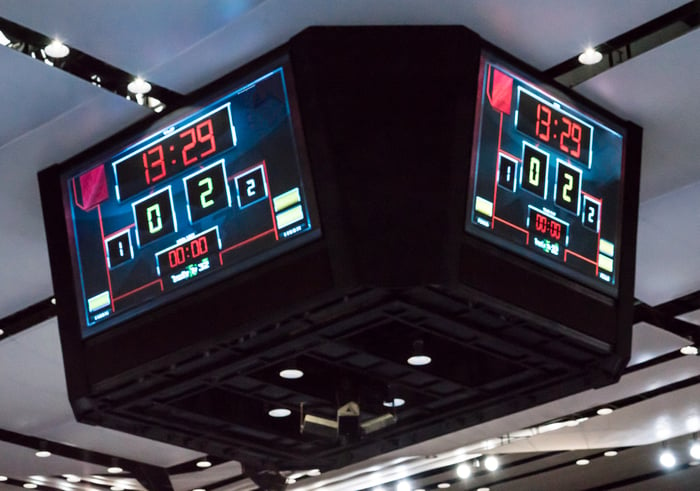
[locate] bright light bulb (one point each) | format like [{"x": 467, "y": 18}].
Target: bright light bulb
[
  {"x": 403, "y": 486},
  {"x": 695, "y": 450},
  {"x": 29, "y": 485},
  {"x": 604, "y": 411},
  {"x": 203, "y": 464},
  {"x": 667, "y": 459},
  {"x": 583, "y": 462},
  {"x": 464, "y": 470},
  {"x": 610, "y": 453},
  {"x": 57, "y": 49},
  {"x": 71, "y": 478},
  {"x": 443, "y": 485},
  {"x": 491, "y": 463},
  {"x": 42, "y": 454},
  {"x": 395, "y": 402},
  {"x": 689, "y": 350},
  {"x": 115, "y": 470},
  {"x": 590, "y": 57},
  {"x": 419, "y": 360},
  {"x": 280, "y": 412},
  {"x": 139, "y": 86},
  {"x": 291, "y": 373}
]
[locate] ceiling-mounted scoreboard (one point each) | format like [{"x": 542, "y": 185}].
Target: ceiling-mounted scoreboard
[
  {"x": 546, "y": 177},
  {"x": 415, "y": 175},
  {"x": 202, "y": 197}
]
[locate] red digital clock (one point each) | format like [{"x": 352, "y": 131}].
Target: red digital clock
[
  {"x": 188, "y": 258},
  {"x": 551, "y": 125},
  {"x": 174, "y": 151}
]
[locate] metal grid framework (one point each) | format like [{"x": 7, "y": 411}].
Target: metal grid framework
[{"x": 487, "y": 362}]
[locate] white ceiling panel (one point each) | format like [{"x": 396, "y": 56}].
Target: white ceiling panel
[
  {"x": 649, "y": 342},
  {"x": 658, "y": 90},
  {"x": 668, "y": 234},
  {"x": 38, "y": 405},
  {"x": 21, "y": 222},
  {"x": 34, "y": 94},
  {"x": 676, "y": 413},
  {"x": 507, "y": 23}
]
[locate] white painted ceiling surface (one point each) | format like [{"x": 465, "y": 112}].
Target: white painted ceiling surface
[{"x": 49, "y": 116}]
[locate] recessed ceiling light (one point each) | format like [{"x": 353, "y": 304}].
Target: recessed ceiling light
[
  {"x": 203, "y": 464},
  {"x": 199, "y": 489},
  {"x": 590, "y": 57},
  {"x": 610, "y": 453},
  {"x": 667, "y": 459},
  {"x": 483, "y": 489},
  {"x": 29, "y": 485},
  {"x": 444, "y": 485},
  {"x": 291, "y": 373},
  {"x": 583, "y": 462},
  {"x": 139, "y": 86},
  {"x": 3, "y": 478},
  {"x": 395, "y": 402},
  {"x": 314, "y": 472},
  {"x": 403, "y": 486},
  {"x": 2, "y": 332},
  {"x": 42, "y": 454},
  {"x": 71, "y": 478},
  {"x": 491, "y": 463},
  {"x": 418, "y": 357},
  {"x": 695, "y": 450},
  {"x": 464, "y": 470},
  {"x": 419, "y": 360},
  {"x": 115, "y": 469},
  {"x": 280, "y": 412},
  {"x": 604, "y": 410},
  {"x": 117, "y": 488},
  {"x": 690, "y": 350},
  {"x": 57, "y": 49}
]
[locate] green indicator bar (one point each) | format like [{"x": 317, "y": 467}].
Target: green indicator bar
[
  {"x": 289, "y": 217},
  {"x": 98, "y": 301},
  {"x": 285, "y": 200},
  {"x": 607, "y": 248}
]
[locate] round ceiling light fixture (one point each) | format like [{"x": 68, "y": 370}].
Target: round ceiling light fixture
[
  {"x": 56, "y": 49},
  {"x": 418, "y": 358},
  {"x": 280, "y": 412},
  {"x": 464, "y": 470},
  {"x": 291, "y": 373},
  {"x": 590, "y": 56},
  {"x": 491, "y": 463},
  {"x": 690, "y": 350},
  {"x": 139, "y": 86}
]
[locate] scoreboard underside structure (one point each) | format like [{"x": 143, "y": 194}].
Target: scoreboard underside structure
[{"x": 357, "y": 196}]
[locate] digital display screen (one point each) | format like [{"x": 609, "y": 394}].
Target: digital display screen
[
  {"x": 214, "y": 192},
  {"x": 546, "y": 177}
]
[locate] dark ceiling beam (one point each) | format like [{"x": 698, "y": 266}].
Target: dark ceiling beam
[
  {"x": 27, "y": 317},
  {"x": 80, "y": 64},
  {"x": 619, "y": 49},
  {"x": 657, "y": 317}
]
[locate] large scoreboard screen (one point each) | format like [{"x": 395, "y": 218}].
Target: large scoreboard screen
[
  {"x": 546, "y": 177},
  {"x": 213, "y": 192}
]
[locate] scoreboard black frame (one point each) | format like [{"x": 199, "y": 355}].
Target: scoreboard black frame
[{"x": 386, "y": 123}]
